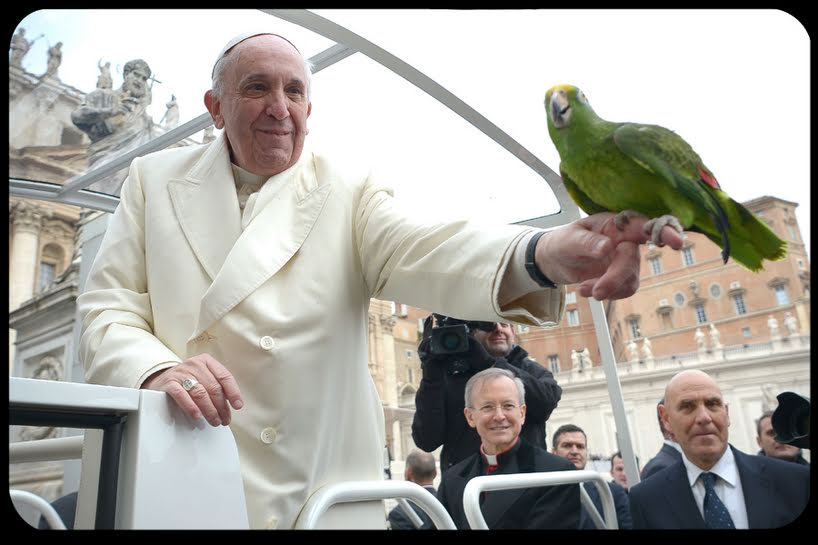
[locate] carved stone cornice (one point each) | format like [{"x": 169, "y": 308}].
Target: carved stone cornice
[
  {"x": 388, "y": 323},
  {"x": 28, "y": 217}
]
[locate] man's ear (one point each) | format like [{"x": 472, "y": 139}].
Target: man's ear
[
  {"x": 214, "y": 106},
  {"x": 470, "y": 417}
]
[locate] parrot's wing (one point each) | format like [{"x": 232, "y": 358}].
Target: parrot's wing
[
  {"x": 666, "y": 154},
  {"x": 582, "y": 200}
]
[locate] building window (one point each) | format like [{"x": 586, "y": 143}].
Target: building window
[
  {"x": 781, "y": 295},
  {"x": 655, "y": 265},
  {"x": 570, "y": 297},
  {"x": 701, "y": 315},
  {"x": 411, "y": 377},
  {"x": 667, "y": 321},
  {"x": 687, "y": 256},
  {"x": 573, "y": 317},
  {"x": 801, "y": 264},
  {"x": 633, "y": 325},
  {"x": 679, "y": 298},
  {"x": 554, "y": 363},
  {"x": 715, "y": 290},
  {"x": 745, "y": 332},
  {"x": 793, "y": 234},
  {"x": 46, "y": 276},
  {"x": 738, "y": 303},
  {"x": 522, "y": 329}
]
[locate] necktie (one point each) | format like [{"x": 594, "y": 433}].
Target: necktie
[{"x": 715, "y": 513}]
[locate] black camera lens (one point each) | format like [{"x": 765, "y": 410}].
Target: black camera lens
[
  {"x": 450, "y": 341},
  {"x": 485, "y": 326}
]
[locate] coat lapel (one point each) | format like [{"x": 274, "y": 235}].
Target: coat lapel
[
  {"x": 279, "y": 227},
  {"x": 682, "y": 506},
  {"x": 211, "y": 227},
  {"x": 755, "y": 486}
]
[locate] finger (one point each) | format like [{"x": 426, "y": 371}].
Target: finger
[
  {"x": 586, "y": 288},
  {"x": 175, "y": 390},
  {"x": 619, "y": 278},
  {"x": 228, "y": 387},
  {"x": 671, "y": 237},
  {"x": 201, "y": 397}
]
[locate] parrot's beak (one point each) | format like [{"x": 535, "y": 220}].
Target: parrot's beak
[{"x": 559, "y": 109}]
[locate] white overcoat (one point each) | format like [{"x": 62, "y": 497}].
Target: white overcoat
[{"x": 283, "y": 304}]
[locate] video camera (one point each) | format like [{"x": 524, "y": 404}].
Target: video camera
[
  {"x": 451, "y": 335},
  {"x": 449, "y": 342},
  {"x": 790, "y": 420}
]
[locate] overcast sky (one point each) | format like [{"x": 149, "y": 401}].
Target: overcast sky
[{"x": 734, "y": 83}]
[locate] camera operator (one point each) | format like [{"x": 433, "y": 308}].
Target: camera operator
[{"x": 439, "y": 403}]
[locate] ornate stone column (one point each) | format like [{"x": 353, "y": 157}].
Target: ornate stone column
[{"x": 26, "y": 220}]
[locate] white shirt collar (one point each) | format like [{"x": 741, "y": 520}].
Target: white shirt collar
[
  {"x": 674, "y": 444},
  {"x": 725, "y": 468}
]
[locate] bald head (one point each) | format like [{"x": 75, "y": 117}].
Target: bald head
[{"x": 695, "y": 413}]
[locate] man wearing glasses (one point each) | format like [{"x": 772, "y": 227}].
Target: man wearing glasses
[
  {"x": 439, "y": 418},
  {"x": 495, "y": 407}
]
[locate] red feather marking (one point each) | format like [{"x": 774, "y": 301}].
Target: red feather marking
[{"x": 708, "y": 178}]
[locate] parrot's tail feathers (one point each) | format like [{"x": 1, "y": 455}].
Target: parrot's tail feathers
[{"x": 752, "y": 239}]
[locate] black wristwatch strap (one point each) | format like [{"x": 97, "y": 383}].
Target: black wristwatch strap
[{"x": 531, "y": 266}]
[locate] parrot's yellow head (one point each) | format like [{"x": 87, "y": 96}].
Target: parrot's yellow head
[{"x": 560, "y": 101}]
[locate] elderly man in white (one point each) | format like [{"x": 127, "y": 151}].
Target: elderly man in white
[{"x": 237, "y": 275}]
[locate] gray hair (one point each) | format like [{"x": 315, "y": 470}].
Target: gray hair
[
  {"x": 224, "y": 61},
  {"x": 422, "y": 464},
  {"x": 489, "y": 375}
]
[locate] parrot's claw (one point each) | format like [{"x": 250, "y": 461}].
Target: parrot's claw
[
  {"x": 654, "y": 227},
  {"x": 624, "y": 217}
]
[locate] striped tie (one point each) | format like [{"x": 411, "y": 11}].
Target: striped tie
[{"x": 715, "y": 513}]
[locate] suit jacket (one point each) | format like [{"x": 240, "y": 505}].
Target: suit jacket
[
  {"x": 621, "y": 503},
  {"x": 775, "y": 493},
  {"x": 282, "y": 304},
  {"x": 547, "y": 507},
  {"x": 399, "y": 520},
  {"x": 666, "y": 456}
]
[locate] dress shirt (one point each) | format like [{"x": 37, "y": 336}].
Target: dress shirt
[{"x": 728, "y": 487}]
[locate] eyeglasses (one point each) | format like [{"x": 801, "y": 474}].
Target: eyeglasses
[{"x": 488, "y": 410}]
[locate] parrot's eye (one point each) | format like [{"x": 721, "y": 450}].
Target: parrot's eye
[{"x": 581, "y": 97}]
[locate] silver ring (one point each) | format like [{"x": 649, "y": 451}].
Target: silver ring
[{"x": 189, "y": 383}]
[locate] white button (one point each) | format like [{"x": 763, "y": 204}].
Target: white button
[
  {"x": 266, "y": 342},
  {"x": 267, "y": 435},
  {"x": 272, "y": 523}
]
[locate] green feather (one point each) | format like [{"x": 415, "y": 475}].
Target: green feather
[{"x": 647, "y": 168}]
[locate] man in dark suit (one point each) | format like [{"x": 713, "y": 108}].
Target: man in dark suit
[
  {"x": 669, "y": 454},
  {"x": 767, "y": 441},
  {"x": 715, "y": 485},
  {"x": 420, "y": 469},
  {"x": 571, "y": 443},
  {"x": 495, "y": 407}
]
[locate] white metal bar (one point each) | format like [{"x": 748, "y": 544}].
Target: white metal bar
[
  {"x": 603, "y": 338},
  {"x": 45, "y": 191},
  {"x": 42, "y": 506},
  {"x": 337, "y": 33},
  {"x": 60, "y": 448},
  {"x": 589, "y": 506},
  {"x": 471, "y": 494},
  {"x": 417, "y": 522},
  {"x": 354, "y": 491}
]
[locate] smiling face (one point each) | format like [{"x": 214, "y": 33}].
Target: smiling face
[
  {"x": 498, "y": 341},
  {"x": 263, "y": 106},
  {"x": 497, "y": 413},
  {"x": 696, "y": 413}
]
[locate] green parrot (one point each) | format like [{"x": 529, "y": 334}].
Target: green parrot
[{"x": 647, "y": 170}]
